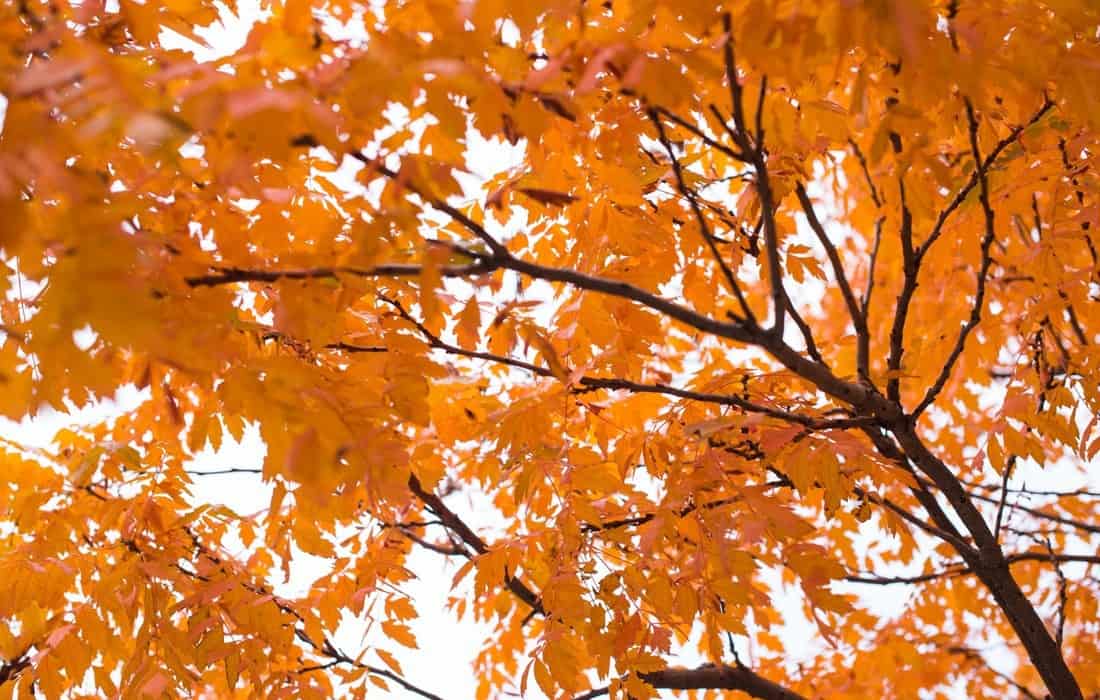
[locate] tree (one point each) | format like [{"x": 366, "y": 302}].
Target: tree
[{"x": 768, "y": 295}]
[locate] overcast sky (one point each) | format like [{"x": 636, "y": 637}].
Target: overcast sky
[{"x": 444, "y": 662}]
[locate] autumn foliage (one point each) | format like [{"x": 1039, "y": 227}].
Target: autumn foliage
[{"x": 643, "y": 328}]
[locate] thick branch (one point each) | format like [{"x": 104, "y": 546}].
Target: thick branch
[
  {"x": 983, "y": 269},
  {"x": 808, "y": 369},
  {"x": 232, "y": 275},
  {"x": 992, "y": 568},
  {"x": 711, "y": 677}
]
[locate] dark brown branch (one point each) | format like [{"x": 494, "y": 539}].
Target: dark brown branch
[
  {"x": 1037, "y": 556},
  {"x": 983, "y": 269},
  {"x": 1063, "y": 596},
  {"x": 625, "y": 290},
  {"x": 324, "y": 647},
  {"x": 356, "y": 349},
  {"x": 10, "y": 670},
  {"x": 338, "y": 657},
  {"x": 1060, "y": 519},
  {"x": 890, "y": 449},
  {"x": 863, "y": 349},
  {"x": 451, "y": 550},
  {"x": 711, "y": 677},
  {"x": 1074, "y": 322},
  {"x": 1052, "y": 517},
  {"x": 759, "y": 116},
  {"x": 910, "y": 269},
  {"x": 227, "y": 470},
  {"x": 1009, "y": 466},
  {"x": 992, "y": 568},
  {"x": 876, "y": 580},
  {"x": 854, "y": 310},
  {"x": 815, "y": 372},
  {"x": 498, "y": 248},
  {"x": 615, "y": 384},
  {"x": 636, "y": 520},
  {"x": 232, "y": 275},
  {"x": 810, "y": 370},
  {"x": 763, "y": 184},
  {"x": 935, "y": 530},
  {"x": 704, "y": 228},
  {"x": 975, "y": 655},
  {"x": 739, "y": 134},
  {"x": 806, "y": 332},
  {"x": 972, "y": 182},
  {"x": 456, "y": 525},
  {"x": 725, "y": 125},
  {"x": 866, "y": 172},
  {"x": 272, "y": 334},
  {"x": 771, "y": 245},
  {"x": 702, "y": 135},
  {"x": 1076, "y": 493},
  {"x": 958, "y": 568}
]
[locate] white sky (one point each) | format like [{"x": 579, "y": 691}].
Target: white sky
[{"x": 443, "y": 664}]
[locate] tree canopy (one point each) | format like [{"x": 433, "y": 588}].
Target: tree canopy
[{"x": 644, "y": 315}]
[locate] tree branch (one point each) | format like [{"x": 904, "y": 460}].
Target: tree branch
[
  {"x": 866, "y": 173},
  {"x": 863, "y": 349},
  {"x": 854, "y": 310},
  {"x": 704, "y": 228},
  {"x": 702, "y": 135},
  {"x": 758, "y": 157},
  {"x": 983, "y": 269},
  {"x": 992, "y": 568},
  {"x": 711, "y": 677},
  {"x": 498, "y": 248},
  {"x": 232, "y": 275},
  {"x": 1004, "y": 497},
  {"x": 975, "y": 655},
  {"x": 456, "y": 525},
  {"x": 972, "y": 182},
  {"x": 910, "y": 269},
  {"x": 615, "y": 384}
]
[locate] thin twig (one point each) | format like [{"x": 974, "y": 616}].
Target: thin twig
[
  {"x": 866, "y": 173},
  {"x": 972, "y": 182},
  {"x": 983, "y": 269},
  {"x": 1004, "y": 497},
  {"x": 704, "y": 228},
  {"x": 863, "y": 350},
  {"x": 815, "y": 423},
  {"x": 833, "y": 254}
]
